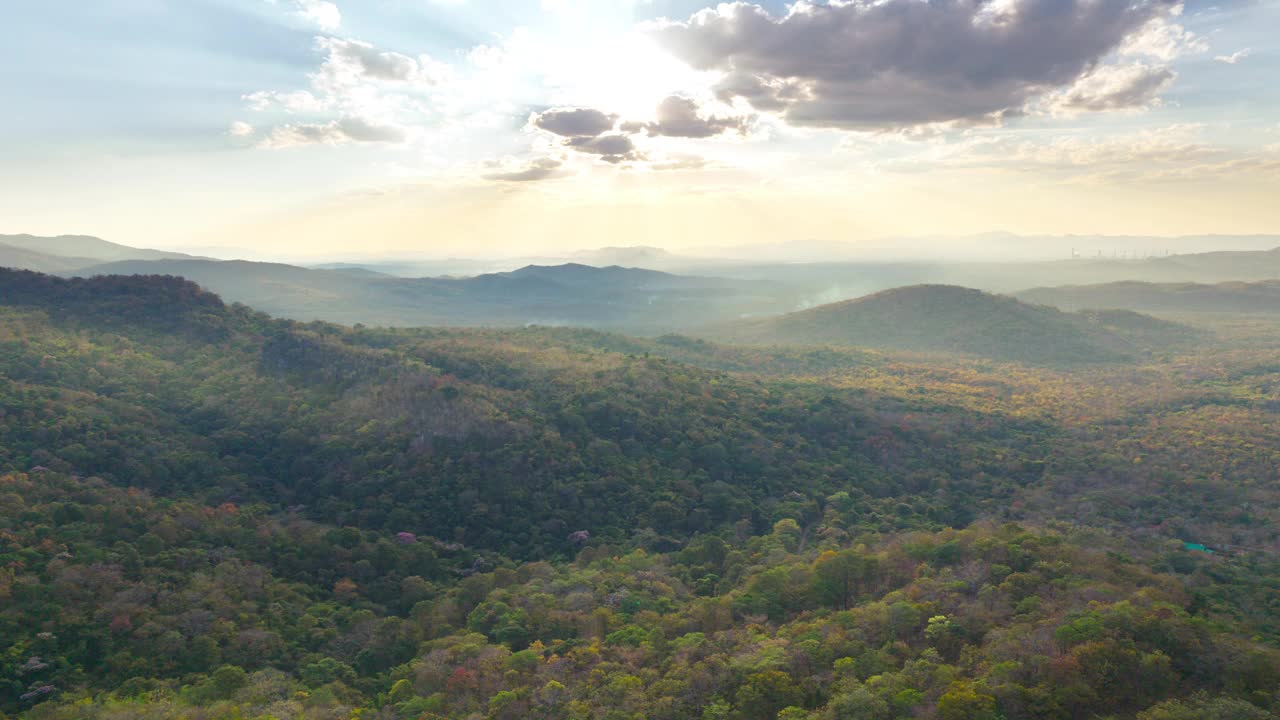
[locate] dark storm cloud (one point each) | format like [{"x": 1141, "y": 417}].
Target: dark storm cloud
[
  {"x": 575, "y": 122},
  {"x": 898, "y": 63},
  {"x": 613, "y": 147}
]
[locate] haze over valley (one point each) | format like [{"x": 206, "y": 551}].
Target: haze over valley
[{"x": 689, "y": 295}]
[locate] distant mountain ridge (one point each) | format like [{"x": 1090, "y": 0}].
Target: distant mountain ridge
[
  {"x": 613, "y": 297},
  {"x": 611, "y": 276},
  {"x": 1261, "y": 297},
  {"x": 638, "y": 256},
  {"x": 86, "y": 247},
  {"x": 943, "y": 318},
  {"x": 645, "y": 289},
  {"x": 24, "y": 259},
  {"x": 988, "y": 247}
]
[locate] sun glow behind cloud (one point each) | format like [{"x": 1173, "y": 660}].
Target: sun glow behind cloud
[{"x": 812, "y": 121}]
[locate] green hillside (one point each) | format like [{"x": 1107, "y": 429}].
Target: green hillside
[
  {"x": 942, "y": 318},
  {"x": 179, "y": 393},
  {"x": 210, "y": 513}
]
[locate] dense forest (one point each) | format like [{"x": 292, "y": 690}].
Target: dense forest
[{"x": 209, "y": 513}]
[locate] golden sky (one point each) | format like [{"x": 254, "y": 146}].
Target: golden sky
[{"x": 309, "y": 128}]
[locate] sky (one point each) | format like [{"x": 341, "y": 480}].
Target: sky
[{"x": 362, "y": 128}]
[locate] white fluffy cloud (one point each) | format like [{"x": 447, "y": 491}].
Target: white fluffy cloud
[
  {"x": 336, "y": 132},
  {"x": 359, "y": 94},
  {"x": 298, "y": 101},
  {"x": 355, "y": 78},
  {"x": 320, "y": 13},
  {"x": 856, "y": 65},
  {"x": 1164, "y": 40},
  {"x": 1234, "y": 57},
  {"x": 349, "y": 63},
  {"x": 324, "y": 14},
  {"x": 1114, "y": 87}
]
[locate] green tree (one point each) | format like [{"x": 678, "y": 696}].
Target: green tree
[
  {"x": 766, "y": 693},
  {"x": 966, "y": 701},
  {"x": 838, "y": 577}
]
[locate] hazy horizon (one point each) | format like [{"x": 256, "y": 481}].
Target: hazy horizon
[{"x": 994, "y": 246}]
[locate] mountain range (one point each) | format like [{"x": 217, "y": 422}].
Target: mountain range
[
  {"x": 609, "y": 289},
  {"x": 1262, "y": 297},
  {"x": 83, "y": 248},
  {"x": 644, "y": 301},
  {"x": 941, "y": 318}
]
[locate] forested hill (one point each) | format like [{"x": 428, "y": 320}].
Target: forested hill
[
  {"x": 209, "y": 513},
  {"x": 943, "y": 318},
  {"x": 570, "y": 294},
  {"x": 124, "y": 300},
  {"x": 499, "y": 447}
]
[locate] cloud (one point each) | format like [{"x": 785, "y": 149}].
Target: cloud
[
  {"x": 1264, "y": 166},
  {"x": 1174, "y": 153},
  {"x": 337, "y": 132},
  {"x": 680, "y": 162},
  {"x": 611, "y": 147},
  {"x": 324, "y": 14},
  {"x": 1163, "y": 40},
  {"x": 595, "y": 132},
  {"x": 679, "y": 116},
  {"x": 1167, "y": 146},
  {"x": 240, "y": 129},
  {"x": 356, "y": 79},
  {"x": 538, "y": 169},
  {"x": 857, "y": 65},
  {"x": 321, "y": 13},
  {"x": 359, "y": 94},
  {"x": 299, "y": 101},
  {"x": 1234, "y": 57},
  {"x": 575, "y": 122},
  {"x": 352, "y": 62},
  {"x": 1115, "y": 87}
]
